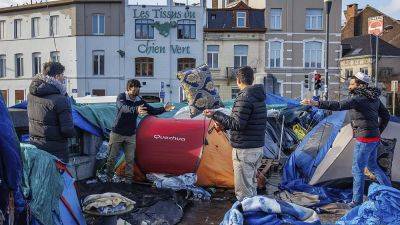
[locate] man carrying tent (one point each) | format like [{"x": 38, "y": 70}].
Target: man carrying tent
[
  {"x": 365, "y": 111},
  {"x": 49, "y": 111},
  {"x": 123, "y": 134},
  {"x": 247, "y": 126}
]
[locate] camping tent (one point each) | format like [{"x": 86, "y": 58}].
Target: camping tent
[
  {"x": 179, "y": 146},
  {"x": 337, "y": 163}
]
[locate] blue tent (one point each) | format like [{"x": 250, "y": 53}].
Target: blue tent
[{"x": 303, "y": 162}]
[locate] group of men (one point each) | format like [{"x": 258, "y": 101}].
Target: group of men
[{"x": 50, "y": 125}]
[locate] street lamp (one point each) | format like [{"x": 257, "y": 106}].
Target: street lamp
[
  {"x": 328, "y": 7},
  {"x": 385, "y": 29}
]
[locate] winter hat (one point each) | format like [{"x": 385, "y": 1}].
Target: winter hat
[{"x": 363, "y": 77}]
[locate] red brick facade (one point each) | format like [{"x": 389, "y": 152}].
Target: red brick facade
[{"x": 357, "y": 24}]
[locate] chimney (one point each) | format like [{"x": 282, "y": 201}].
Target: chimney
[
  {"x": 351, "y": 11},
  {"x": 214, "y": 4}
]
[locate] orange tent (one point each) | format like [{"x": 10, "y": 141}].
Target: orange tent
[{"x": 179, "y": 146}]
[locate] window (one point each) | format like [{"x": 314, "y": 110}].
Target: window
[
  {"x": 99, "y": 92},
  {"x": 55, "y": 56},
  {"x": 17, "y": 28},
  {"x": 313, "y": 54},
  {"x": 98, "y": 62},
  {"x": 275, "y": 22},
  {"x": 2, "y": 27},
  {"x": 364, "y": 70},
  {"x": 314, "y": 19},
  {"x": 2, "y": 66},
  {"x": 98, "y": 24},
  {"x": 235, "y": 92},
  {"x": 186, "y": 29},
  {"x": 240, "y": 55},
  {"x": 35, "y": 27},
  {"x": 212, "y": 56},
  {"x": 19, "y": 96},
  {"x": 4, "y": 93},
  {"x": 19, "y": 65},
  {"x": 36, "y": 63},
  {"x": 213, "y": 16},
  {"x": 275, "y": 53},
  {"x": 144, "y": 67},
  {"x": 240, "y": 19},
  {"x": 385, "y": 72},
  {"x": 144, "y": 29},
  {"x": 186, "y": 63},
  {"x": 53, "y": 25},
  {"x": 348, "y": 73}
]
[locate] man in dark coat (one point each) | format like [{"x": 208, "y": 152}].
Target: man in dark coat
[
  {"x": 247, "y": 128},
  {"x": 365, "y": 109},
  {"x": 123, "y": 134},
  {"x": 49, "y": 112}
]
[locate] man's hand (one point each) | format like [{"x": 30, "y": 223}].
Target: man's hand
[
  {"x": 309, "y": 102},
  {"x": 168, "y": 107},
  {"x": 218, "y": 127},
  {"x": 142, "y": 110},
  {"x": 208, "y": 113}
]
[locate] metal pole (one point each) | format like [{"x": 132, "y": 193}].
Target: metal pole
[
  {"x": 376, "y": 60},
  {"x": 394, "y": 103},
  {"x": 281, "y": 139},
  {"x": 326, "y": 58}
]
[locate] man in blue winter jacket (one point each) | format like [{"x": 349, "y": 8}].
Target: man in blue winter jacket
[{"x": 365, "y": 109}]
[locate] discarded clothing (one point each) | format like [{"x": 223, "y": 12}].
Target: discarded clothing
[
  {"x": 325, "y": 195},
  {"x": 382, "y": 207},
  {"x": 42, "y": 184},
  {"x": 182, "y": 182},
  {"x": 107, "y": 204},
  {"x": 260, "y": 210},
  {"x": 103, "y": 151}
]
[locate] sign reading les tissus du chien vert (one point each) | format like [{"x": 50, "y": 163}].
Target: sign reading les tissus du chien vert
[{"x": 375, "y": 25}]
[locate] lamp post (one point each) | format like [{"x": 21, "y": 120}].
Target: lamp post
[
  {"x": 328, "y": 7},
  {"x": 385, "y": 29}
]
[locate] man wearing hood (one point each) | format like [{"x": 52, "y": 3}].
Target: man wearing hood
[
  {"x": 247, "y": 128},
  {"x": 365, "y": 109},
  {"x": 49, "y": 112}
]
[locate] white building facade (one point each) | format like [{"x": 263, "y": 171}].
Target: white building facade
[
  {"x": 159, "y": 42},
  {"x": 84, "y": 37}
]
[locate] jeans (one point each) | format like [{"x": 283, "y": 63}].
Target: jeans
[
  {"x": 128, "y": 143},
  {"x": 245, "y": 165},
  {"x": 365, "y": 155}
]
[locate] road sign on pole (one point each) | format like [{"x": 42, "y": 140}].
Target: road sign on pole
[
  {"x": 375, "y": 25},
  {"x": 394, "y": 86}
]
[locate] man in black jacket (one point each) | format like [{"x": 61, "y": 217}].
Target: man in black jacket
[
  {"x": 365, "y": 109},
  {"x": 123, "y": 134},
  {"x": 247, "y": 128},
  {"x": 49, "y": 112}
]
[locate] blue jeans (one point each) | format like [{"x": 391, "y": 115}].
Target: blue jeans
[{"x": 365, "y": 155}]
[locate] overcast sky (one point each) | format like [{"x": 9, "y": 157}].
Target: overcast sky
[{"x": 390, "y": 7}]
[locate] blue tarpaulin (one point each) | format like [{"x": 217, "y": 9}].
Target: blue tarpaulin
[
  {"x": 382, "y": 207},
  {"x": 79, "y": 120},
  {"x": 10, "y": 160},
  {"x": 261, "y": 210},
  {"x": 273, "y": 99}
]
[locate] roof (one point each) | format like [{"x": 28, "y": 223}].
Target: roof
[
  {"x": 365, "y": 45},
  {"x": 223, "y": 20},
  {"x": 45, "y": 4}
]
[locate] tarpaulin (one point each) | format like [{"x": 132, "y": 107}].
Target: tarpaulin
[
  {"x": 382, "y": 207},
  {"x": 260, "y": 210}
]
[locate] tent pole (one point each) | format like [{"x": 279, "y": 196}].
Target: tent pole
[{"x": 280, "y": 144}]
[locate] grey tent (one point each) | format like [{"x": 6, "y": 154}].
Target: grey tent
[{"x": 336, "y": 165}]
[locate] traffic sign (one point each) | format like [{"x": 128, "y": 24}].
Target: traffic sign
[
  {"x": 162, "y": 94},
  {"x": 375, "y": 25}
]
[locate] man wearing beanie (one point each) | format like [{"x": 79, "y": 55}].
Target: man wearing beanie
[
  {"x": 365, "y": 109},
  {"x": 49, "y": 112}
]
